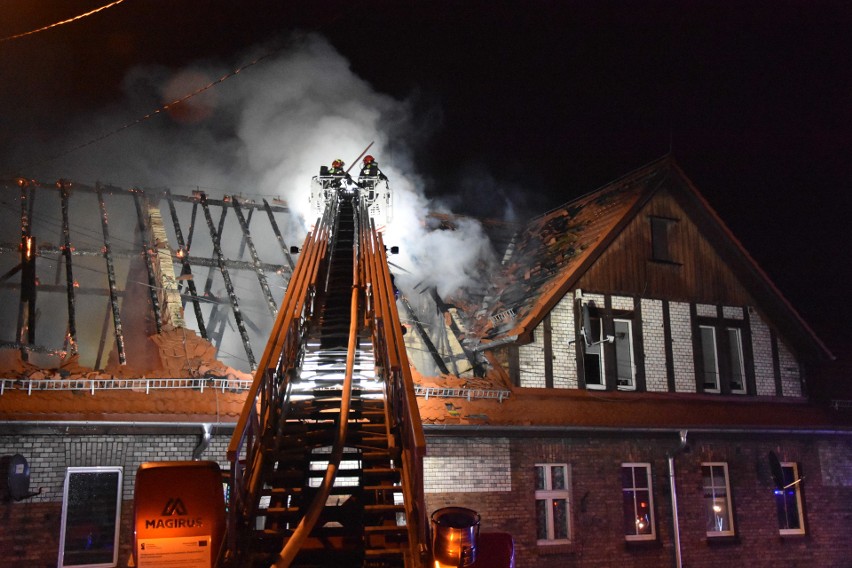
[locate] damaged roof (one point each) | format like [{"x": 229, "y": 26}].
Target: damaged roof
[{"x": 552, "y": 252}]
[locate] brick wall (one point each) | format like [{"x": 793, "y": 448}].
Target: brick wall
[
  {"x": 761, "y": 345},
  {"x": 564, "y": 349},
  {"x": 791, "y": 379},
  {"x": 596, "y": 510},
  {"x": 683, "y": 362},
  {"x": 654, "y": 344},
  {"x": 466, "y": 465},
  {"x": 29, "y": 533}
]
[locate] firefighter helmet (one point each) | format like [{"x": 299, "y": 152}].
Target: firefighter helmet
[
  {"x": 368, "y": 159},
  {"x": 337, "y": 164}
]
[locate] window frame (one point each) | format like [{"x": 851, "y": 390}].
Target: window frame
[
  {"x": 549, "y": 495},
  {"x": 800, "y": 512},
  {"x": 721, "y": 347},
  {"x": 704, "y": 359},
  {"x": 738, "y": 357},
  {"x": 628, "y": 341},
  {"x": 598, "y": 346},
  {"x": 661, "y": 239},
  {"x": 634, "y": 489},
  {"x": 731, "y": 531}
]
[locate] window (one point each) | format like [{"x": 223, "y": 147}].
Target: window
[
  {"x": 735, "y": 344},
  {"x": 661, "y": 239},
  {"x": 552, "y": 503},
  {"x": 593, "y": 358},
  {"x": 625, "y": 367},
  {"x": 710, "y": 360},
  {"x": 722, "y": 359},
  {"x": 638, "y": 501},
  {"x": 788, "y": 501},
  {"x": 608, "y": 350},
  {"x": 91, "y": 515},
  {"x": 717, "y": 499}
]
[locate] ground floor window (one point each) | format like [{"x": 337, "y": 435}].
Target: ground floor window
[
  {"x": 717, "y": 499},
  {"x": 638, "y": 501},
  {"x": 552, "y": 503},
  {"x": 788, "y": 501}
]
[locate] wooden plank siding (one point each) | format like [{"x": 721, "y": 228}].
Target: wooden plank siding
[{"x": 698, "y": 273}]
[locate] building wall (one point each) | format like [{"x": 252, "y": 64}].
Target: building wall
[
  {"x": 30, "y": 531},
  {"x": 596, "y": 509},
  {"x": 495, "y": 477},
  {"x": 651, "y": 351}
]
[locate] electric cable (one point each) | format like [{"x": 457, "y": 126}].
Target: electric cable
[{"x": 68, "y": 21}]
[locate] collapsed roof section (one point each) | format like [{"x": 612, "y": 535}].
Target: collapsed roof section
[{"x": 94, "y": 272}]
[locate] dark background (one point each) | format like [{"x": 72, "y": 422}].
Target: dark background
[{"x": 528, "y": 103}]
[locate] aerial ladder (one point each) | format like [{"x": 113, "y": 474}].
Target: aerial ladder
[{"x": 326, "y": 459}]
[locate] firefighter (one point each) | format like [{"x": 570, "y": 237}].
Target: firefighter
[
  {"x": 338, "y": 174},
  {"x": 371, "y": 169}
]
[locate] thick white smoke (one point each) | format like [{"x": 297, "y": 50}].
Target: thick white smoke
[{"x": 265, "y": 133}]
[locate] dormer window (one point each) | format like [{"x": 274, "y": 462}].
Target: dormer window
[{"x": 661, "y": 239}]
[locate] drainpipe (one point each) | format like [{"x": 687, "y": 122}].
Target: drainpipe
[
  {"x": 206, "y": 436},
  {"x": 682, "y": 448}
]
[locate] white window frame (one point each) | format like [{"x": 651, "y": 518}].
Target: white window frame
[
  {"x": 736, "y": 351},
  {"x": 628, "y": 341},
  {"x": 799, "y": 510},
  {"x": 650, "y": 489},
  {"x": 549, "y": 495},
  {"x": 705, "y": 353},
  {"x": 717, "y": 485},
  {"x": 597, "y": 349},
  {"x": 69, "y": 507}
]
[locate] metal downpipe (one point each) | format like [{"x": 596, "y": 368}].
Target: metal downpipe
[{"x": 673, "y": 488}]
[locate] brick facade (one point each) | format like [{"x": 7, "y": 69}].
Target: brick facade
[
  {"x": 30, "y": 532},
  {"x": 596, "y": 508}
]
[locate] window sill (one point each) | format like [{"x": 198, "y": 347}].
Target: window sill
[
  {"x": 551, "y": 549},
  {"x": 642, "y": 544},
  {"x": 723, "y": 540}
]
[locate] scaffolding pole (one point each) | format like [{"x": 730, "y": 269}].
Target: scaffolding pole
[
  {"x": 70, "y": 293},
  {"x": 147, "y": 253},
  {"x": 113, "y": 297},
  {"x": 284, "y": 248},
  {"x": 258, "y": 269},
  {"x": 238, "y": 318},
  {"x": 186, "y": 269}
]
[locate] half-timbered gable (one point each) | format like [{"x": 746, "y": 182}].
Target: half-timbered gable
[{"x": 639, "y": 286}]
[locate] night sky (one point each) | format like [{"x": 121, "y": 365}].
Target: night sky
[{"x": 523, "y": 105}]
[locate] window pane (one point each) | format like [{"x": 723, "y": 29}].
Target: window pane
[
  {"x": 716, "y": 503},
  {"x": 623, "y": 353},
  {"x": 643, "y": 513},
  {"x": 736, "y": 347},
  {"x": 710, "y": 366},
  {"x": 640, "y": 475},
  {"x": 636, "y": 496},
  {"x": 541, "y": 518},
  {"x": 629, "y": 513},
  {"x": 787, "y": 502},
  {"x": 560, "y": 518},
  {"x": 539, "y": 477},
  {"x": 557, "y": 477},
  {"x": 593, "y": 356}
]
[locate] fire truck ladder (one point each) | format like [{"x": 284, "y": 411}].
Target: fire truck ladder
[{"x": 326, "y": 460}]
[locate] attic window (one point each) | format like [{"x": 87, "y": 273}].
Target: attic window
[{"x": 661, "y": 239}]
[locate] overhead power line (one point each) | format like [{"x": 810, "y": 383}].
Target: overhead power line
[{"x": 68, "y": 21}]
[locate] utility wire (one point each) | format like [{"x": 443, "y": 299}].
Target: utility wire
[
  {"x": 68, "y": 21},
  {"x": 158, "y": 111}
]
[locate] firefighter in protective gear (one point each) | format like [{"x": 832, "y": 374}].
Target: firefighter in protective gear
[
  {"x": 370, "y": 169},
  {"x": 337, "y": 173}
]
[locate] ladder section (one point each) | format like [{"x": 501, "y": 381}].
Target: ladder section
[{"x": 321, "y": 475}]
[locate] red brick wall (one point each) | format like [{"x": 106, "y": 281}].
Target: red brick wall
[
  {"x": 597, "y": 507},
  {"x": 30, "y": 532}
]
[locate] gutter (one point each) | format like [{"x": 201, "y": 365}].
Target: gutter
[
  {"x": 488, "y": 429},
  {"x": 113, "y": 427}
]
